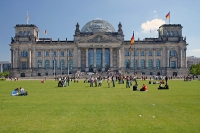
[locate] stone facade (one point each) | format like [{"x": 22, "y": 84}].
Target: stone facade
[{"x": 101, "y": 50}]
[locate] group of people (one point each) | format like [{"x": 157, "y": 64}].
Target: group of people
[
  {"x": 63, "y": 81},
  {"x": 19, "y": 92}
]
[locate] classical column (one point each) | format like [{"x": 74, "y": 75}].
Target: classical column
[
  {"x": 103, "y": 57},
  {"x": 154, "y": 60},
  {"x": 43, "y": 61},
  {"x": 139, "y": 59},
  {"x": 167, "y": 58},
  {"x": 146, "y": 58},
  {"x": 131, "y": 59},
  {"x": 181, "y": 54},
  {"x": 94, "y": 57},
  {"x": 11, "y": 58},
  {"x": 58, "y": 58},
  {"x": 86, "y": 58},
  {"x": 119, "y": 57},
  {"x": 79, "y": 57},
  {"x": 30, "y": 60},
  {"x": 111, "y": 57},
  {"x": 16, "y": 59}
]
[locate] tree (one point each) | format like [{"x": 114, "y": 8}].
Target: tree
[
  {"x": 6, "y": 74},
  {"x": 195, "y": 69}
]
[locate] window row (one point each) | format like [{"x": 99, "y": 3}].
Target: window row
[
  {"x": 142, "y": 53},
  {"x": 142, "y": 64},
  {"x": 24, "y": 33},
  {"x": 150, "y": 53},
  {"x": 62, "y": 54},
  {"x": 63, "y": 64}
]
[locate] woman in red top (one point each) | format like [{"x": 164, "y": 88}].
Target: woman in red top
[{"x": 144, "y": 88}]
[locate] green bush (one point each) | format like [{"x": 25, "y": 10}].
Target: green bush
[{"x": 2, "y": 79}]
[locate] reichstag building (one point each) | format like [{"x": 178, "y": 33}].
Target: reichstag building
[{"x": 98, "y": 47}]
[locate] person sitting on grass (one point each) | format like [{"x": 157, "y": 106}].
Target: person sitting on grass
[
  {"x": 21, "y": 90},
  {"x": 144, "y": 88},
  {"x": 160, "y": 86},
  {"x": 135, "y": 87}
]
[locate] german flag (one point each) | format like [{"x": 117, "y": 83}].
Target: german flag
[
  {"x": 132, "y": 41},
  {"x": 132, "y": 38},
  {"x": 167, "y": 16}
]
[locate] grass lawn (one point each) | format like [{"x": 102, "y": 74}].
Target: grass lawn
[{"x": 80, "y": 108}]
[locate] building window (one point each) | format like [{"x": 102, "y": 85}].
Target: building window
[
  {"x": 39, "y": 54},
  {"x": 39, "y": 64},
  {"x": 54, "y": 64},
  {"x": 127, "y": 53},
  {"x": 142, "y": 53},
  {"x": 150, "y": 53},
  {"x": 24, "y": 53},
  {"x": 54, "y": 54},
  {"x": 150, "y": 64},
  {"x": 28, "y": 33},
  {"x": 107, "y": 59},
  {"x": 134, "y": 53},
  {"x": 62, "y": 64},
  {"x": 24, "y": 33},
  {"x": 70, "y": 64},
  {"x": 20, "y": 33},
  {"x": 47, "y": 53},
  {"x": 62, "y": 54},
  {"x": 98, "y": 59},
  {"x": 158, "y": 53},
  {"x": 135, "y": 64},
  {"x": 90, "y": 59},
  {"x": 173, "y": 53},
  {"x": 142, "y": 64},
  {"x": 158, "y": 64},
  {"x": 24, "y": 65},
  {"x": 173, "y": 64},
  {"x": 127, "y": 64},
  {"x": 70, "y": 54},
  {"x": 47, "y": 64}
]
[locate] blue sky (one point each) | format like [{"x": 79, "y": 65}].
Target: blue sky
[{"x": 59, "y": 17}]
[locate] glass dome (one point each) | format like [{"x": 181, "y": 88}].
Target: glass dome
[{"x": 98, "y": 25}]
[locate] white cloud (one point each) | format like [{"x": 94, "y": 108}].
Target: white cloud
[
  {"x": 152, "y": 25},
  {"x": 154, "y": 11},
  {"x": 196, "y": 50}
]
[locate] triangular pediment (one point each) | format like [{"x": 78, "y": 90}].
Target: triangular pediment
[{"x": 99, "y": 39}]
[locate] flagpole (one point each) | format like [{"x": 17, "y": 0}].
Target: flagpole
[
  {"x": 68, "y": 64},
  {"x": 54, "y": 66},
  {"x": 134, "y": 55},
  {"x": 61, "y": 67},
  {"x": 169, "y": 17}
]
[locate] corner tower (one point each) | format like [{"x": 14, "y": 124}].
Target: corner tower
[{"x": 25, "y": 33}]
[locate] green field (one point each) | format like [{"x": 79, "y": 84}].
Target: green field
[{"x": 80, "y": 108}]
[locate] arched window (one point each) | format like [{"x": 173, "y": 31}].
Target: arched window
[
  {"x": 173, "y": 53},
  {"x": 70, "y": 64},
  {"x": 135, "y": 64},
  {"x": 24, "y": 33},
  {"x": 142, "y": 64},
  {"x": 70, "y": 53},
  {"x": 150, "y": 53},
  {"x": 47, "y": 64},
  {"x": 127, "y": 53},
  {"x": 24, "y": 53},
  {"x": 39, "y": 64},
  {"x": 142, "y": 53},
  {"x": 62, "y": 64},
  {"x": 150, "y": 64},
  {"x": 54, "y": 64},
  {"x": 127, "y": 64},
  {"x": 20, "y": 33},
  {"x": 158, "y": 64}
]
